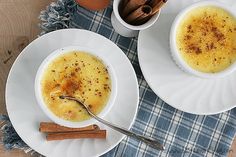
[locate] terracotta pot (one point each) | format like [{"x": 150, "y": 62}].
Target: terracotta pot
[{"x": 93, "y": 4}]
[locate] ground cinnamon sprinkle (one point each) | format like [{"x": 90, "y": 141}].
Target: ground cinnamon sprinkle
[
  {"x": 80, "y": 75},
  {"x": 206, "y": 38}
]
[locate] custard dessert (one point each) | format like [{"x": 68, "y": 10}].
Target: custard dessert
[
  {"x": 78, "y": 74},
  {"x": 206, "y": 39}
]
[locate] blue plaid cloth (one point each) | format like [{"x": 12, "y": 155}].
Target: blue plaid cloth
[{"x": 182, "y": 134}]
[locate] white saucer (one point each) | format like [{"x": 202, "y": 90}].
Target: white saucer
[
  {"x": 177, "y": 88},
  {"x": 25, "y": 114}
]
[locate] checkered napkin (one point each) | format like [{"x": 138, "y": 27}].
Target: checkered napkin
[{"x": 182, "y": 134}]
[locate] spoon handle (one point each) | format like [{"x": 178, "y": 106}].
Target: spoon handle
[{"x": 150, "y": 141}]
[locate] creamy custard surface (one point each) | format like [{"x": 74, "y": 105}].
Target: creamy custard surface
[
  {"x": 206, "y": 39},
  {"x": 77, "y": 74}
]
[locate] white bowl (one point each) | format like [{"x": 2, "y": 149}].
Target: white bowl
[
  {"x": 175, "y": 52},
  {"x": 45, "y": 64}
]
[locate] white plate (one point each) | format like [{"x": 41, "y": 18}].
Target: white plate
[
  {"x": 177, "y": 88},
  {"x": 25, "y": 114}
]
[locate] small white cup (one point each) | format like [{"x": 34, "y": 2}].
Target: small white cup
[
  {"x": 175, "y": 52},
  {"x": 44, "y": 65},
  {"x": 126, "y": 29}
]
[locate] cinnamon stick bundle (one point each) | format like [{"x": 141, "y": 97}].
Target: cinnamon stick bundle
[
  {"x": 139, "y": 14},
  {"x": 49, "y": 127},
  {"x": 76, "y": 135},
  {"x": 130, "y": 6}
]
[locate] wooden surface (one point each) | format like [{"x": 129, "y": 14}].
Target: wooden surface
[
  {"x": 19, "y": 26},
  {"x": 19, "y": 20}
]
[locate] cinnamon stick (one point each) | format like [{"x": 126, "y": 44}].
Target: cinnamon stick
[
  {"x": 49, "y": 127},
  {"x": 123, "y": 3},
  {"x": 130, "y": 6},
  {"x": 152, "y": 3},
  {"x": 156, "y": 5},
  {"x": 76, "y": 135},
  {"x": 139, "y": 14},
  {"x": 143, "y": 20}
]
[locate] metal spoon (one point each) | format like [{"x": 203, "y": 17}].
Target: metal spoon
[{"x": 148, "y": 140}]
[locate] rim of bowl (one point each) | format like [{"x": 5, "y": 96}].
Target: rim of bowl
[
  {"x": 45, "y": 64},
  {"x": 173, "y": 46},
  {"x": 146, "y": 25}
]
